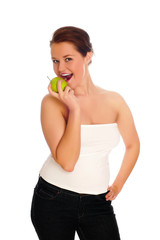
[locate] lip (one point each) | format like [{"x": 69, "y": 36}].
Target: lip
[
  {"x": 66, "y": 76},
  {"x": 69, "y": 79}
]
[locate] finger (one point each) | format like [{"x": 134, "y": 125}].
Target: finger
[
  {"x": 67, "y": 89},
  {"x": 59, "y": 87},
  {"x": 108, "y": 195},
  {"x": 54, "y": 94},
  {"x": 49, "y": 89},
  {"x": 111, "y": 197},
  {"x": 109, "y": 188},
  {"x": 71, "y": 91}
]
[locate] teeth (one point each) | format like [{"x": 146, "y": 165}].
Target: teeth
[{"x": 65, "y": 74}]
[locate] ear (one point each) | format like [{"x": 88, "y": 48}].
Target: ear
[{"x": 89, "y": 57}]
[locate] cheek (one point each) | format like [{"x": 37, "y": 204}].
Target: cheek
[
  {"x": 80, "y": 69},
  {"x": 54, "y": 68}
]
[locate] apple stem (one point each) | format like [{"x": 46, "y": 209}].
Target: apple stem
[{"x": 49, "y": 78}]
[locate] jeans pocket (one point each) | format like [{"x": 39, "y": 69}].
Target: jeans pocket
[
  {"x": 47, "y": 193},
  {"x": 102, "y": 196},
  {"x": 102, "y": 200}
]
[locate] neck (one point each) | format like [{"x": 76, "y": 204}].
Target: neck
[{"x": 86, "y": 87}]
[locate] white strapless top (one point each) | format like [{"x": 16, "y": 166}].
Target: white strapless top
[{"x": 91, "y": 172}]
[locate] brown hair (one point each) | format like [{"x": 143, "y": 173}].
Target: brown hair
[{"x": 77, "y": 36}]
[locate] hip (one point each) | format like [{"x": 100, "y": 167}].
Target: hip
[{"x": 49, "y": 200}]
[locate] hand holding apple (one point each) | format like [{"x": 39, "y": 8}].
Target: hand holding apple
[
  {"x": 66, "y": 96},
  {"x": 54, "y": 82}
]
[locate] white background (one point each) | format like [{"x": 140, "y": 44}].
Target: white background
[{"x": 126, "y": 41}]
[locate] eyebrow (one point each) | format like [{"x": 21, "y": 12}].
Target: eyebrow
[{"x": 64, "y": 56}]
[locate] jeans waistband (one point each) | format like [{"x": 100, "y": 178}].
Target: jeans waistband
[{"x": 47, "y": 184}]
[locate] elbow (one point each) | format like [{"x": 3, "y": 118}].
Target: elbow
[
  {"x": 138, "y": 146},
  {"x": 66, "y": 166},
  {"x": 134, "y": 146},
  {"x": 68, "y": 169}
]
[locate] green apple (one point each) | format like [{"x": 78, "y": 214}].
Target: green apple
[{"x": 54, "y": 82}]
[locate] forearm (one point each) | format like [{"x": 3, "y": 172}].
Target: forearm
[
  {"x": 129, "y": 161},
  {"x": 69, "y": 147}
]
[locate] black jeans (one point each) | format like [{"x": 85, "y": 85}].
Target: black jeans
[{"x": 57, "y": 213}]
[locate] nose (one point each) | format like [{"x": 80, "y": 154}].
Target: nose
[{"x": 61, "y": 67}]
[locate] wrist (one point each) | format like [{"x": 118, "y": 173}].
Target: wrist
[
  {"x": 75, "y": 111},
  {"x": 118, "y": 187},
  {"x": 74, "y": 116}
]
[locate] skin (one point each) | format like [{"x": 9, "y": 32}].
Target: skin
[{"x": 70, "y": 108}]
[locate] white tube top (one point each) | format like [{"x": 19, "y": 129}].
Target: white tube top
[{"x": 91, "y": 172}]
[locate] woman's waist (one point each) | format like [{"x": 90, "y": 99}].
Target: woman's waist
[
  {"x": 84, "y": 167},
  {"x": 85, "y": 178}
]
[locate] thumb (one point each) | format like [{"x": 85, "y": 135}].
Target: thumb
[
  {"x": 109, "y": 188},
  {"x": 59, "y": 86}
]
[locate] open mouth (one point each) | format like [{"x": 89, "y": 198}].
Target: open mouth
[{"x": 66, "y": 76}]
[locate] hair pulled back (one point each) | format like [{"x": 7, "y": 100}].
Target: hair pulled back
[{"x": 77, "y": 36}]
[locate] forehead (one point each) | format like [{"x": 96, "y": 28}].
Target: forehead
[{"x": 62, "y": 49}]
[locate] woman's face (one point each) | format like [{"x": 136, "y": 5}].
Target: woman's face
[{"x": 69, "y": 64}]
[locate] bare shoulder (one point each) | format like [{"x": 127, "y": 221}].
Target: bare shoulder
[
  {"x": 48, "y": 99},
  {"x": 116, "y": 98},
  {"x": 51, "y": 103},
  {"x": 112, "y": 97},
  {"x": 117, "y": 101}
]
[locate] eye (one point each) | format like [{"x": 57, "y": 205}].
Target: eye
[
  {"x": 68, "y": 59},
  {"x": 55, "y": 61}
]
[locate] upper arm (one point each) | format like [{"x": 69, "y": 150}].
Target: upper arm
[
  {"x": 53, "y": 122},
  {"x": 126, "y": 123}
]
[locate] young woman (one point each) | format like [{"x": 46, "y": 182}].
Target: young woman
[{"x": 81, "y": 125}]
